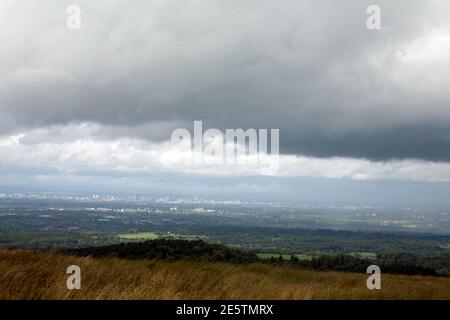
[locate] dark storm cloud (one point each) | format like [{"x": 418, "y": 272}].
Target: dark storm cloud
[
  {"x": 309, "y": 68},
  {"x": 419, "y": 142}
]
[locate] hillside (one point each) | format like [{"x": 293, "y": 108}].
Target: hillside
[{"x": 42, "y": 275}]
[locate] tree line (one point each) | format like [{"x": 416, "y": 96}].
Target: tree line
[{"x": 200, "y": 250}]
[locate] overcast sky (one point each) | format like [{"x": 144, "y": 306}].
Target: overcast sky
[{"x": 97, "y": 106}]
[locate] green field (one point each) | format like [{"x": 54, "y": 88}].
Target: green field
[
  {"x": 142, "y": 236},
  {"x": 365, "y": 255},
  {"x": 308, "y": 257},
  {"x": 138, "y": 236},
  {"x": 284, "y": 256}
]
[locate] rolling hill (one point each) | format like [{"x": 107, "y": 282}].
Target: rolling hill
[{"x": 42, "y": 275}]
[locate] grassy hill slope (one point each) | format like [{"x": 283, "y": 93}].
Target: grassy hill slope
[{"x": 42, "y": 275}]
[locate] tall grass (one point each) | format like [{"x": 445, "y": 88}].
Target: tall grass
[{"x": 42, "y": 275}]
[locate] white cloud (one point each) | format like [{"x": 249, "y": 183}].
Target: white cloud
[{"x": 77, "y": 150}]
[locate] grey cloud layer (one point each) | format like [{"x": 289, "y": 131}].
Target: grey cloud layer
[{"x": 310, "y": 68}]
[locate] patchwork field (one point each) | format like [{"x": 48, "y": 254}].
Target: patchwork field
[{"x": 138, "y": 236}]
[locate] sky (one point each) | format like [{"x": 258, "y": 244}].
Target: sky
[{"x": 364, "y": 114}]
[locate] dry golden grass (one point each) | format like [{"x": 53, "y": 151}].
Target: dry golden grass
[{"x": 42, "y": 275}]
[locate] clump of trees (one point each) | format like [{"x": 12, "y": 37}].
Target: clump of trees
[
  {"x": 391, "y": 263},
  {"x": 168, "y": 250}
]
